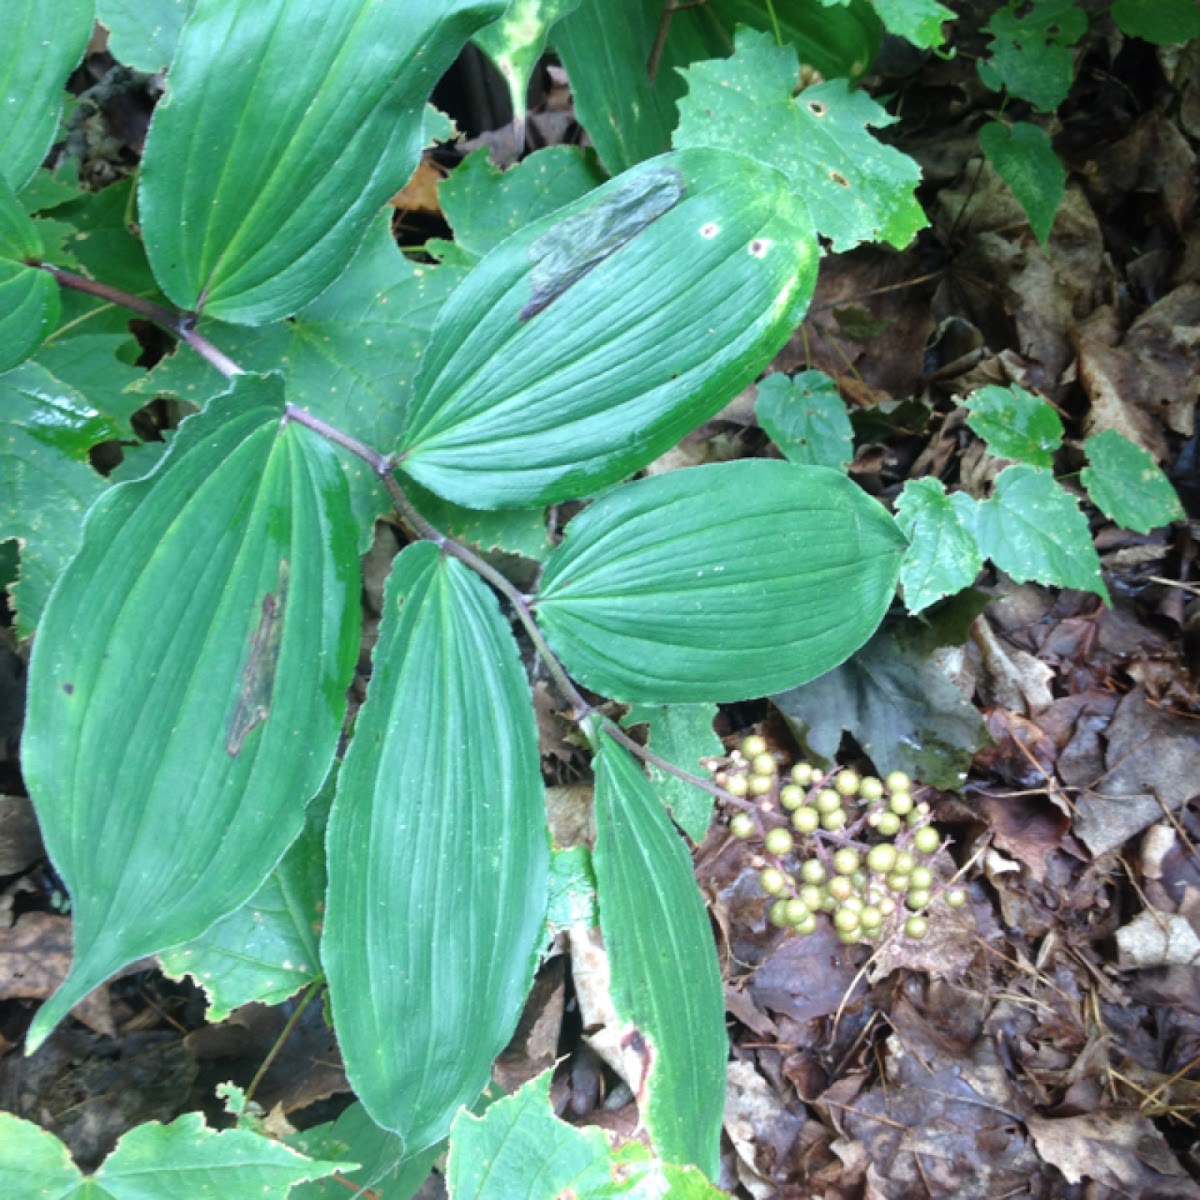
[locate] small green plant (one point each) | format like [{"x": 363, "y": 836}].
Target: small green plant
[{"x": 1030, "y": 59}]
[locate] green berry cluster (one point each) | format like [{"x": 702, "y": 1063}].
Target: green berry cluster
[{"x": 857, "y": 848}]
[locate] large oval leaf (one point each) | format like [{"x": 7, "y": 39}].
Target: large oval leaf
[
  {"x": 666, "y": 984},
  {"x": 29, "y": 304},
  {"x": 720, "y": 582},
  {"x": 591, "y": 341},
  {"x": 437, "y": 853},
  {"x": 41, "y": 43},
  {"x": 187, "y": 686},
  {"x": 287, "y": 125}
]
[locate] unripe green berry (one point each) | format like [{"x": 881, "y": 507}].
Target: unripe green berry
[
  {"x": 845, "y": 920},
  {"x": 737, "y": 785},
  {"x": 870, "y": 789},
  {"x": 828, "y": 903},
  {"x": 918, "y": 898},
  {"x": 871, "y": 917},
  {"x": 778, "y": 842},
  {"x": 927, "y": 839},
  {"x": 797, "y": 911},
  {"x": 791, "y": 796},
  {"x": 807, "y": 926},
  {"x": 854, "y": 903},
  {"x": 849, "y": 937},
  {"x": 915, "y": 818},
  {"x": 753, "y": 746},
  {"x": 921, "y": 878},
  {"x": 812, "y": 895},
  {"x": 898, "y": 881},
  {"x": 888, "y": 824},
  {"x": 833, "y": 821},
  {"x": 956, "y": 897},
  {"x": 901, "y": 803},
  {"x": 763, "y": 764},
  {"x": 881, "y": 858},
  {"x": 840, "y": 888},
  {"x": 772, "y": 882},
  {"x": 916, "y": 927},
  {"x": 898, "y": 781},
  {"x": 904, "y": 862},
  {"x": 812, "y": 870},
  {"x": 802, "y": 774},
  {"x": 805, "y": 819},
  {"x": 846, "y": 783},
  {"x": 760, "y": 785},
  {"x": 846, "y": 861},
  {"x": 742, "y": 826},
  {"x": 777, "y": 914},
  {"x": 887, "y": 906},
  {"x": 827, "y": 800}
]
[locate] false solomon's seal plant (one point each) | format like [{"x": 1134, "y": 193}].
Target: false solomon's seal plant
[{"x": 189, "y": 676}]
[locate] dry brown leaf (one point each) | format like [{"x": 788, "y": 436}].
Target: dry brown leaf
[{"x": 1121, "y": 1150}]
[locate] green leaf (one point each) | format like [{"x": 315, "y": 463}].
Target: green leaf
[
  {"x": 666, "y": 984},
  {"x": 572, "y": 889},
  {"x": 29, "y": 303},
  {"x": 520, "y": 531},
  {"x": 48, "y": 190},
  {"x": 1125, "y": 483},
  {"x": 896, "y": 701},
  {"x": 858, "y": 189},
  {"x": 920, "y": 21},
  {"x": 97, "y": 366},
  {"x": 484, "y": 205},
  {"x": 193, "y": 657},
  {"x": 942, "y": 557},
  {"x": 266, "y": 950},
  {"x": 350, "y": 357},
  {"x": 437, "y": 853},
  {"x": 1024, "y": 158},
  {"x": 592, "y": 341},
  {"x": 42, "y": 43},
  {"x": 185, "y": 1158},
  {"x": 683, "y": 735},
  {"x": 519, "y": 1150},
  {"x": 1030, "y": 51},
  {"x": 143, "y": 34},
  {"x": 46, "y": 484},
  {"x": 384, "y": 1170},
  {"x": 1163, "y": 22},
  {"x": 516, "y": 41},
  {"x": 1033, "y": 529},
  {"x": 102, "y": 246},
  {"x": 1015, "y": 424},
  {"x": 805, "y": 416},
  {"x": 249, "y": 218},
  {"x": 630, "y": 112},
  {"x": 719, "y": 583}
]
